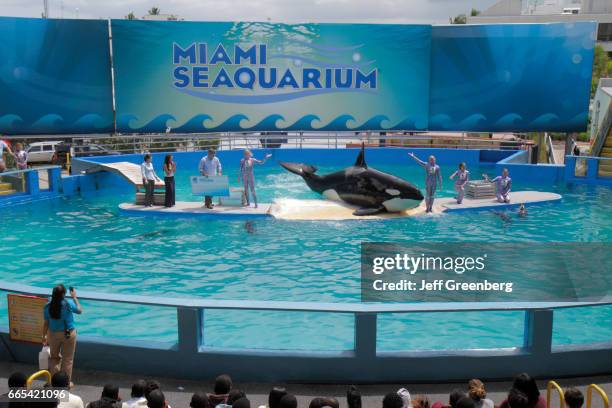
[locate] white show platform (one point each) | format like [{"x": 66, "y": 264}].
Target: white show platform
[
  {"x": 478, "y": 204},
  {"x": 197, "y": 209},
  {"x": 324, "y": 210}
]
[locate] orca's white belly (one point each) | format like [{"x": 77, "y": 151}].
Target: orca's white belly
[
  {"x": 397, "y": 204},
  {"x": 332, "y": 194}
]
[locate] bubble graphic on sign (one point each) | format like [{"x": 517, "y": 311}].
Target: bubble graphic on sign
[
  {"x": 297, "y": 62},
  {"x": 577, "y": 58},
  {"x": 244, "y": 77},
  {"x": 19, "y": 73},
  {"x": 504, "y": 75},
  {"x": 356, "y": 57}
]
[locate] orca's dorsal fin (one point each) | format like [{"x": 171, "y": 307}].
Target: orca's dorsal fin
[{"x": 360, "y": 162}]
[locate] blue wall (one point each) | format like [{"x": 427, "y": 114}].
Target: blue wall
[{"x": 515, "y": 161}]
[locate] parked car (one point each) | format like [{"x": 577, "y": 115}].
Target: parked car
[
  {"x": 273, "y": 142},
  {"x": 79, "y": 150},
  {"x": 42, "y": 152}
]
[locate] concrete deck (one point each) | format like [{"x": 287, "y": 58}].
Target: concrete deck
[{"x": 88, "y": 385}]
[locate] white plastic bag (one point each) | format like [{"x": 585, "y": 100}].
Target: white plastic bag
[{"x": 43, "y": 358}]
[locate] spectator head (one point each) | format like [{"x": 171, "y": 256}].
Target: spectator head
[
  {"x": 276, "y": 393},
  {"x": 17, "y": 380},
  {"x": 138, "y": 389},
  {"x": 288, "y": 401},
  {"x": 455, "y": 396},
  {"x": 420, "y": 401},
  {"x": 405, "y": 395},
  {"x": 211, "y": 153},
  {"x": 527, "y": 385},
  {"x": 392, "y": 400},
  {"x": 476, "y": 390},
  {"x": 147, "y": 157},
  {"x": 574, "y": 398},
  {"x": 353, "y": 397},
  {"x": 156, "y": 399},
  {"x": 242, "y": 403},
  {"x": 234, "y": 395},
  {"x": 151, "y": 385},
  {"x": 465, "y": 402},
  {"x": 223, "y": 384},
  {"x": 199, "y": 400},
  {"x": 110, "y": 391},
  {"x": 321, "y": 402},
  {"x": 60, "y": 380},
  {"x": 517, "y": 399}
]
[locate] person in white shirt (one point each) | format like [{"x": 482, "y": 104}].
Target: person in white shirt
[
  {"x": 210, "y": 166},
  {"x": 61, "y": 380},
  {"x": 3, "y": 146},
  {"x": 148, "y": 179},
  {"x": 137, "y": 399}
]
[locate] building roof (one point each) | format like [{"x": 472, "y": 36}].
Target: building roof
[{"x": 546, "y": 7}]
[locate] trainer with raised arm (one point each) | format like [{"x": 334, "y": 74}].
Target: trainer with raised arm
[
  {"x": 210, "y": 165},
  {"x": 433, "y": 177}
]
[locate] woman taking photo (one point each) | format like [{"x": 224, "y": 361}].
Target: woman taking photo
[
  {"x": 59, "y": 330},
  {"x": 169, "y": 170}
]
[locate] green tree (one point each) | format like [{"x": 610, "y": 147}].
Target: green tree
[
  {"x": 601, "y": 62},
  {"x": 154, "y": 11},
  {"x": 460, "y": 19},
  {"x": 474, "y": 12},
  {"x": 130, "y": 16}
]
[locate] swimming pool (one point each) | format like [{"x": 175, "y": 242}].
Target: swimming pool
[{"x": 86, "y": 243}]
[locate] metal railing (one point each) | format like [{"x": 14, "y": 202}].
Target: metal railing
[
  {"x": 139, "y": 143},
  {"x": 535, "y": 354},
  {"x": 232, "y": 141}
]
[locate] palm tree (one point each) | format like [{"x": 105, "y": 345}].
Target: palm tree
[
  {"x": 154, "y": 11},
  {"x": 130, "y": 16}
]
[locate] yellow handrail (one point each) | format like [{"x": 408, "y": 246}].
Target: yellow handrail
[
  {"x": 602, "y": 393},
  {"x": 549, "y": 387},
  {"x": 38, "y": 374}
]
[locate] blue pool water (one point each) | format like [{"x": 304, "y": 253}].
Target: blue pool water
[{"x": 85, "y": 242}]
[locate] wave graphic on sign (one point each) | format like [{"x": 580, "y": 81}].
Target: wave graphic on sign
[
  {"x": 54, "y": 123},
  {"x": 271, "y": 98},
  {"x": 273, "y": 122}
]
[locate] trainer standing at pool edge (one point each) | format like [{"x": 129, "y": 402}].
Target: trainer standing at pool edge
[
  {"x": 210, "y": 166},
  {"x": 59, "y": 331}
]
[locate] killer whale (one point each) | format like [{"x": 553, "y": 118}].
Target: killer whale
[{"x": 371, "y": 190}]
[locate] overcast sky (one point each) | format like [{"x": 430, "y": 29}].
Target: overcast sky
[{"x": 374, "y": 11}]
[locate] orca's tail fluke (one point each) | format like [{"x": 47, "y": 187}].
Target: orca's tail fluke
[{"x": 304, "y": 170}]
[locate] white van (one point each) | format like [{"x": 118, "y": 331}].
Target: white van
[{"x": 41, "y": 152}]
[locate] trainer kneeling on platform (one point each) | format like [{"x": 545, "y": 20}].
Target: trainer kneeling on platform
[{"x": 59, "y": 331}]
